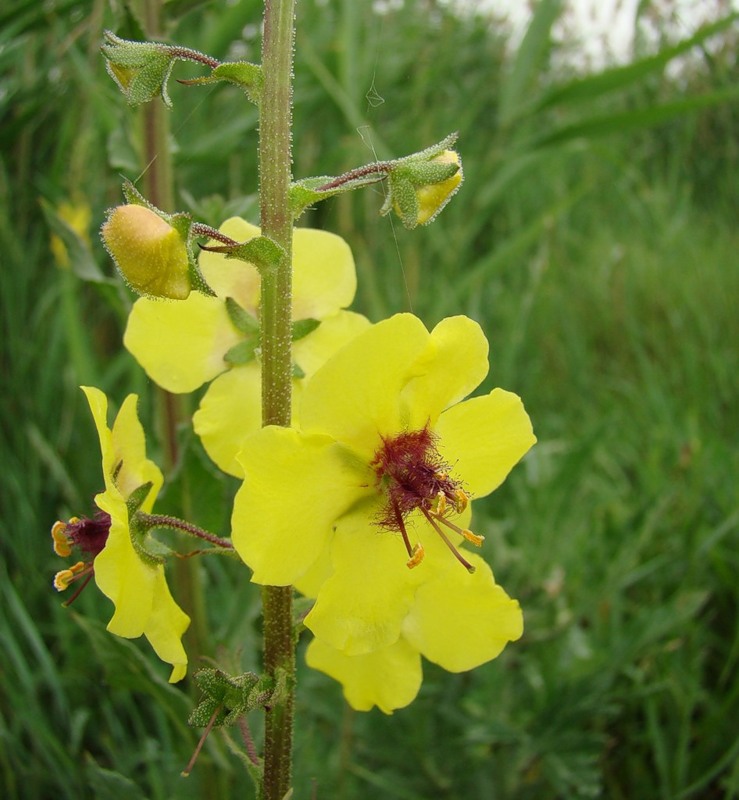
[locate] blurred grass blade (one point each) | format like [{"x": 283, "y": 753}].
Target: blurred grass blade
[
  {"x": 640, "y": 118},
  {"x": 586, "y": 89},
  {"x": 519, "y": 84}
]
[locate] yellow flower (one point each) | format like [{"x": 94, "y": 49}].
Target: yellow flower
[
  {"x": 186, "y": 344},
  {"x": 132, "y": 579},
  {"x": 365, "y": 505},
  {"x": 76, "y": 216}
]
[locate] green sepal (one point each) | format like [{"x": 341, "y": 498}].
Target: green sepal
[
  {"x": 303, "y": 327},
  {"x": 140, "y": 69},
  {"x": 182, "y": 222},
  {"x": 242, "y": 320},
  {"x": 262, "y": 252},
  {"x": 242, "y": 352},
  {"x": 229, "y": 696},
  {"x": 244, "y": 74},
  {"x": 430, "y": 152},
  {"x": 402, "y": 197}
]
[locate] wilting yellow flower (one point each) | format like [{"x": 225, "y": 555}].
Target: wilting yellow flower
[
  {"x": 125, "y": 572},
  {"x": 363, "y": 507},
  {"x": 185, "y": 344},
  {"x": 150, "y": 254}
]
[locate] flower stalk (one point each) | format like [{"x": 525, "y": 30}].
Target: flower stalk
[{"x": 275, "y": 162}]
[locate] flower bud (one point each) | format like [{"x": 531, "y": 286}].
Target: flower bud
[
  {"x": 141, "y": 69},
  {"x": 434, "y": 196},
  {"x": 422, "y": 184},
  {"x": 151, "y": 254}
]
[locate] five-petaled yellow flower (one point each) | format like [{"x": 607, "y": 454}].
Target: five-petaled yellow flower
[
  {"x": 187, "y": 343},
  {"x": 131, "y": 579},
  {"x": 366, "y": 504}
]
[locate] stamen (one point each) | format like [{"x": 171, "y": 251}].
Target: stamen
[
  {"x": 440, "y": 503},
  {"x": 403, "y": 532},
  {"x": 88, "y": 578},
  {"x": 461, "y": 501},
  {"x": 64, "y": 577},
  {"x": 472, "y": 537},
  {"x": 464, "y": 532},
  {"x": 62, "y": 542},
  {"x": 417, "y": 557},
  {"x": 462, "y": 560}
]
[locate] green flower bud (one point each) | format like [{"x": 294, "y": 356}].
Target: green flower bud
[
  {"x": 151, "y": 255},
  {"x": 421, "y": 186},
  {"x": 434, "y": 196},
  {"x": 141, "y": 69}
]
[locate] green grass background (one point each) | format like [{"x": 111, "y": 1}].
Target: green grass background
[{"x": 595, "y": 239}]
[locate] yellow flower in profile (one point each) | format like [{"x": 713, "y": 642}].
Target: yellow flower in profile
[
  {"x": 184, "y": 344},
  {"x": 126, "y": 573},
  {"x": 365, "y": 506}
]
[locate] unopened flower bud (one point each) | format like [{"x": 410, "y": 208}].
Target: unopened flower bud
[
  {"x": 422, "y": 184},
  {"x": 151, "y": 254},
  {"x": 434, "y": 196},
  {"x": 141, "y": 69}
]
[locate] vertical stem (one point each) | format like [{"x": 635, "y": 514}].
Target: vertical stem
[{"x": 275, "y": 162}]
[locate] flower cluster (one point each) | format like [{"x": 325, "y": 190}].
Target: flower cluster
[{"x": 364, "y": 506}]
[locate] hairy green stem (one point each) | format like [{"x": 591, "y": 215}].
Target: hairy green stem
[{"x": 275, "y": 163}]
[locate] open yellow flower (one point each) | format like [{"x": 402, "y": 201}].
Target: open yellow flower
[
  {"x": 133, "y": 580},
  {"x": 185, "y": 344},
  {"x": 365, "y": 505}
]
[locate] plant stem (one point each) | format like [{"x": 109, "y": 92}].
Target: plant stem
[{"x": 275, "y": 162}]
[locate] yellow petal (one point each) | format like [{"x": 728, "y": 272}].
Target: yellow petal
[
  {"x": 457, "y": 363},
  {"x": 389, "y": 678},
  {"x": 361, "y": 606},
  {"x": 98, "y": 403},
  {"x": 461, "y": 620},
  {"x": 355, "y": 396},
  {"x": 229, "y": 413},
  {"x": 484, "y": 438},
  {"x": 324, "y": 278},
  {"x": 313, "y": 350},
  {"x": 132, "y": 467},
  {"x": 231, "y": 277},
  {"x": 181, "y": 344},
  {"x": 165, "y": 627},
  {"x": 295, "y": 487},
  {"x": 120, "y": 573}
]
